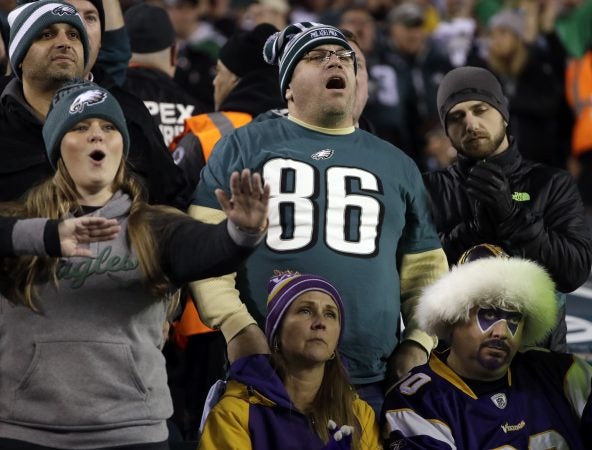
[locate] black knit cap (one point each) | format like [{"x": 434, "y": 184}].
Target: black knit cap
[
  {"x": 149, "y": 28},
  {"x": 243, "y": 52},
  {"x": 470, "y": 83}
]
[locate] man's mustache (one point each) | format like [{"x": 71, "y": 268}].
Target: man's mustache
[{"x": 499, "y": 344}]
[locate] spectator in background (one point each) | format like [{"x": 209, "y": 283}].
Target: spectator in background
[
  {"x": 491, "y": 194},
  {"x": 578, "y": 89},
  {"x": 151, "y": 70},
  {"x": 426, "y": 62},
  {"x": 274, "y": 12},
  {"x": 456, "y": 30},
  {"x": 199, "y": 42},
  {"x": 489, "y": 390},
  {"x": 540, "y": 120},
  {"x": 26, "y": 100},
  {"x": 301, "y": 386},
  {"x": 391, "y": 97},
  {"x": 244, "y": 87},
  {"x": 110, "y": 51}
]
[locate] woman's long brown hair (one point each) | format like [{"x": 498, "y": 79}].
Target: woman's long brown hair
[
  {"x": 56, "y": 198},
  {"x": 334, "y": 399}
]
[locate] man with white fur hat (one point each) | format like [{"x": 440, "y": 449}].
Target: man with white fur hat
[{"x": 487, "y": 391}]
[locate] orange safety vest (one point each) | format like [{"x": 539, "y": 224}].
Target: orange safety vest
[
  {"x": 578, "y": 89},
  {"x": 208, "y": 128}
]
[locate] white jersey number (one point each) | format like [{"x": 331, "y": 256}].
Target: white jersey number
[{"x": 299, "y": 204}]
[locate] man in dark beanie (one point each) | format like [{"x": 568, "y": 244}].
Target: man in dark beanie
[
  {"x": 491, "y": 194},
  {"x": 344, "y": 204},
  {"x": 25, "y": 100},
  {"x": 244, "y": 86},
  {"x": 151, "y": 69}
]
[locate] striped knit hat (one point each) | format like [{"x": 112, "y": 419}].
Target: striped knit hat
[
  {"x": 287, "y": 47},
  {"x": 75, "y": 102},
  {"x": 285, "y": 288},
  {"x": 29, "y": 20}
]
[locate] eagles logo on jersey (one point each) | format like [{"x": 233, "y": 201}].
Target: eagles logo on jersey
[
  {"x": 323, "y": 154},
  {"x": 87, "y": 98}
]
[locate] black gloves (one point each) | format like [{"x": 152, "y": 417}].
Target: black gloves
[{"x": 488, "y": 184}]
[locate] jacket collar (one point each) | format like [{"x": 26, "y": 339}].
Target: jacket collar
[
  {"x": 508, "y": 160},
  {"x": 14, "y": 91},
  {"x": 256, "y": 373}
]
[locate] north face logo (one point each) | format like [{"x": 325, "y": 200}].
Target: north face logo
[
  {"x": 88, "y": 98},
  {"x": 64, "y": 10}
]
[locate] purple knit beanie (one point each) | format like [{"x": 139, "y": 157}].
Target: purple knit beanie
[{"x": 283, "y": 289}]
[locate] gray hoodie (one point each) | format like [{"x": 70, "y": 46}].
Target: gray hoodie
[{"x": 86, "y": 370}]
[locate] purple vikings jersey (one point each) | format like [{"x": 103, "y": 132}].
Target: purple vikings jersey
[{"x": 540, "y": 406}]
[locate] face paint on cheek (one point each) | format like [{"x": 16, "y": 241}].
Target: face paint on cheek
[{"x": 488, "y": 317}]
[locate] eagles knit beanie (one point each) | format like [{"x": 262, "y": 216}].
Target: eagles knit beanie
[
  {"x": 29, "y": 20},
  {"x": 284, "y": 288},
  {"x": 287, "y": 47},
  {"x": 243, "y": 52},
  {"x": 77, "y": 101},
  {"x": 96, "y": 3},
  {"x": 470, "y": 83}
]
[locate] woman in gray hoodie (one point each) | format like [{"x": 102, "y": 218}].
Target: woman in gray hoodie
[{"x": 80, "y": 337}]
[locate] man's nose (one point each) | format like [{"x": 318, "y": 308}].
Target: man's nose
[
  {"x": 500, "y": 329},
  {"x": 471, "y": 122}
]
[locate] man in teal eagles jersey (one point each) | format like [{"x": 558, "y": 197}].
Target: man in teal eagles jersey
[{"x": 344, "y": 204}]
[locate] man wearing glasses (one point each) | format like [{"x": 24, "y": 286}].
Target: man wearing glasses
[{"x": 344, "y": 204}]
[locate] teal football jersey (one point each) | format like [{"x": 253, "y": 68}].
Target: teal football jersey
[{"x": 346, "y": 207}]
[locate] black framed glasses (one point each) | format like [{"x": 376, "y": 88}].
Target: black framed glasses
[{"x": 323, "y": 56}]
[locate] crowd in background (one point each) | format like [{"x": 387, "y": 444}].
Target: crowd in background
[
  {"x": 409, "y": 46},
  {"x": 537, "y": 49}
]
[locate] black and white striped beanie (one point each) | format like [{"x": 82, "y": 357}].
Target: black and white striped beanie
[
  {"x": 30, "y": 19},
  {"x": 287, "y": 47}
]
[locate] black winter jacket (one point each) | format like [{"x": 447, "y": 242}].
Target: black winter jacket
[{"x": 548, "y": 226}]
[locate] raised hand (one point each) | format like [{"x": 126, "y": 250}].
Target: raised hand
[
  {"x": 76, "y": 232},
  {"x": 247, "y": 206}
]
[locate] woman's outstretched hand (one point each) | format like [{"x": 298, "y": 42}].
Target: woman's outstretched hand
[
  {"x": 247, "y": 206},
  {"x": 76, "y": 232}
]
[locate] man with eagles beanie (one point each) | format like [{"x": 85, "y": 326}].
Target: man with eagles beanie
[
  {"x": 44, "y": 53},
  {"x": 344, "y": 204},
  {"x": 490, "y": 389},
  {"x": 491, "y": 194}
]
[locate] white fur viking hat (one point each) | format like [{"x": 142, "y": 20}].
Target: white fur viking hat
[{"x": 502, "y": 282}]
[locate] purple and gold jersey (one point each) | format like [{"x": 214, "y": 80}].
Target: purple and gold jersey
[{"x": 540, "y": 407}]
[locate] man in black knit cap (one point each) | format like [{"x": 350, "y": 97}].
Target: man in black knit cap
[
  {"x": 244, "y": 86},
  {"x": 151, "y": 69},
  {"x": 491, "y": 194}
]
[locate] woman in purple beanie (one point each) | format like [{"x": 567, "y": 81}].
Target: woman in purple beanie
[{"x": 298, "y": 396}]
